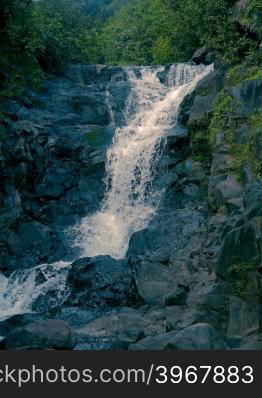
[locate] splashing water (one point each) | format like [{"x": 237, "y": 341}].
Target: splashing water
[
  {"x": 24, "y": 288},
  {"x": 129, "y": 202}
]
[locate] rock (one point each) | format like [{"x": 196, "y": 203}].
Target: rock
[
  {"x": 7, "y": 325},
  {"x": 154, "y": 282},
  {"x": 76, "y": 317},
  {"x": 176, "y": 297},
  {"x": 196, "y": 337},
  {"x": 160, "y": 342},
  {"x": 31, "y": 239},
  {"x": 41, "y": 335},
  {"x": 227, "y": 189},
  {"x": 201, "y": 336},
  {"x": 251, "y": 343},
  {"x": 240, "y": 246},
  {"x": 99, "y": 281},
  {"x": 199, "y": 55},
  {"x": 239, "y": 9},
  {"x": 213, "y": 306},
  {"x": 244, "y": 318},
  {"x": 249, "y": 96},
  {"x": 127, "y": 326}
]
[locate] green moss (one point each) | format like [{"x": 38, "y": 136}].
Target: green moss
[
  {"x": 244, "y": 288},
  {"x": 200, "y": 144},
  {"x": 255, "y": 73},
  {"x": 246, "y": 154},
  {"x": 240, "y": 73},
  {"x": 222, "y": 110}
]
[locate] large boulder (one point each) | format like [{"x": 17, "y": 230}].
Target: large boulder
[
  {"x": 46, "y": 334},
  {"x": 99, "y": 281},
  {"x": 244, "y": 318},
  {"x": 155, "y": 282},
  {"x": 200, "y": 55},
  {"x": 32, "y": 242},
  {"x": 248, "y": 93},
  {"x": 127, "y": 326},
  {"x": 196, "y": 337},
  {"x": 242, "y": 245}
]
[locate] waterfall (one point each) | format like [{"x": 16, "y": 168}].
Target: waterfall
[{"x": 130, "y": 201}]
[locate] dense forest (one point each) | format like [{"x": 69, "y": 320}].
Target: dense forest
[{"x": 38, "y": 37}]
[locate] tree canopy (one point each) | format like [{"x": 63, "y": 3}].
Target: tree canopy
[{"x": 44, "y": 35}]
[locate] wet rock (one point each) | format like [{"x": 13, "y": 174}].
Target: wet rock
[{"x": 41, "y": 335}]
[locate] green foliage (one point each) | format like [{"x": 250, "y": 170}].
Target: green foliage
[
  {"x": 200, "y": 142},
  {"x": 243, "y": 285},
  {"x": 242, "y": 72},
  {"x": 246, "y": 154},
  {"x": 146, "y": 31},
  {"x": 64, "y": 31},
  {"x": 223, "y": 107},
  {"x": 45, "y": 35},
  {"x": 19, "y": 45}
]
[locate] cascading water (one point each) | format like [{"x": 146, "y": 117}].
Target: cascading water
[{"x": 130, "y": 201}]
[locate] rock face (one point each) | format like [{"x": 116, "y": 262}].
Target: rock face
[{"x": 52, "y": 161}]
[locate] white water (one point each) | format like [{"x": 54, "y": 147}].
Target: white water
[
  {"x": 22, "y": 289},
  {"x": 129, "y": 203}
]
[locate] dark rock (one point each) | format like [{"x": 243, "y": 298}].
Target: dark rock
[
  {"x": 251, "y": 343},
  {"x": 199, "y": 56},
  {"x": 41, "y": 335},
  {"x": 155, "y": 282},
  {"x": 31, "y": 239},
  {"x": 244, "y": 318},
  {"x": 225, "y": 188},
  {"x": 249, "y": 96},
  {"x": 176, "y": 297},
  {"x": 240, "y": 246},
  {"x": 100, "y": 281},
  {"x": 7, "y": 325},
  {"x": 196, "y": 337}
]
